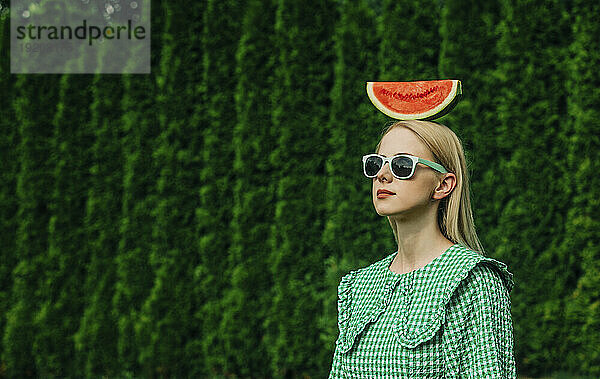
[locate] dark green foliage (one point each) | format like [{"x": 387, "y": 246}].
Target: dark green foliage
[
  {"x": 62, "y": 299},
  {"x": 410, "y": 40},
  {"x": 34, "y": 105},
  {"x": 304, "y": 72},
  {"x": 133, "y": 269},
  {"x": 531, "y": 199},
  {"x": 217, "y": 121},
  {"x": 583, "y": 221},
  {"x": 138, "y": 131},
  {"x": 253, "y": 194},
  {"x": 97, "y": 337},
  {"x": 8, "y": 177},
  {"x": 167, "y": 324},
  {"x": 195, "y": 222}
]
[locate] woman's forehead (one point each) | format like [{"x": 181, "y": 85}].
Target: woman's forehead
[{"x": 402, "y": 141}]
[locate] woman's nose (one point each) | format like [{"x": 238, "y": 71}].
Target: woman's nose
[{"x": 384, "y": 172}]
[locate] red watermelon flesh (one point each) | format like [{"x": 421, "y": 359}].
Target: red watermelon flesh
[{"x": 417, "y": 100}]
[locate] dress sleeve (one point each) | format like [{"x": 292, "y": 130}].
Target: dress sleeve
[
  {"x": 343, "y": 304},
  {"x": 336, "y": 366},
  {"x": 488, "y": 339}
]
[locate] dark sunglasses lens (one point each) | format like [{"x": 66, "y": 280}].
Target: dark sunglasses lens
[
  {"x": 373, "y": 165},
  {"x": 401, "y": 166}
]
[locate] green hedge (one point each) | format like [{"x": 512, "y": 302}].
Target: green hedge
[{"x": 195, "y": 222}]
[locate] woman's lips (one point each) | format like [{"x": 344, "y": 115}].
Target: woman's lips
[{"x": 382, "y": 194}]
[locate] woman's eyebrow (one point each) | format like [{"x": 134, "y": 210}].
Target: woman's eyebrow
[{"x": 396, "y": 154}]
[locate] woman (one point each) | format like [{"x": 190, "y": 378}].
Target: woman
[{"x": 437, "y": 307}]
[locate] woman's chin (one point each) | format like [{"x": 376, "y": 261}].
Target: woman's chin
[{"x": 387, "y": 211}]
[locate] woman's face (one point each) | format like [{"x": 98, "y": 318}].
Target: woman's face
[{"x": 410, "y": 195}]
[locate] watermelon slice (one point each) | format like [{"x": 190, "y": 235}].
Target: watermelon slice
[{"x": 418, "y": 100}]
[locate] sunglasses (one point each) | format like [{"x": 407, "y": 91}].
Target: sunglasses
[{"x": 402, "y": 166}]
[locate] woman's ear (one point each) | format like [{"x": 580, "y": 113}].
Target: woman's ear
[{"x": 445, "y": 187}]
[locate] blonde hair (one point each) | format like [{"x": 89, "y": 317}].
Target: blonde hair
[{"x": 455, "y": 217}]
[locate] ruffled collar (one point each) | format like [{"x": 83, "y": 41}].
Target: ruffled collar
[{"x": 365, "y": 293}]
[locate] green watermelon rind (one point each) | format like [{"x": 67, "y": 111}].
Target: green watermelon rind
[{"x": 441, "y": 110}]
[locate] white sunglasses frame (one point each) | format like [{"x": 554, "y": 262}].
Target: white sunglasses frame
[{"x": 436, "y": 166}]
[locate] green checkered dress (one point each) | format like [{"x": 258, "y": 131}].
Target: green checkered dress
[{"x": 448, "y": 319}]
